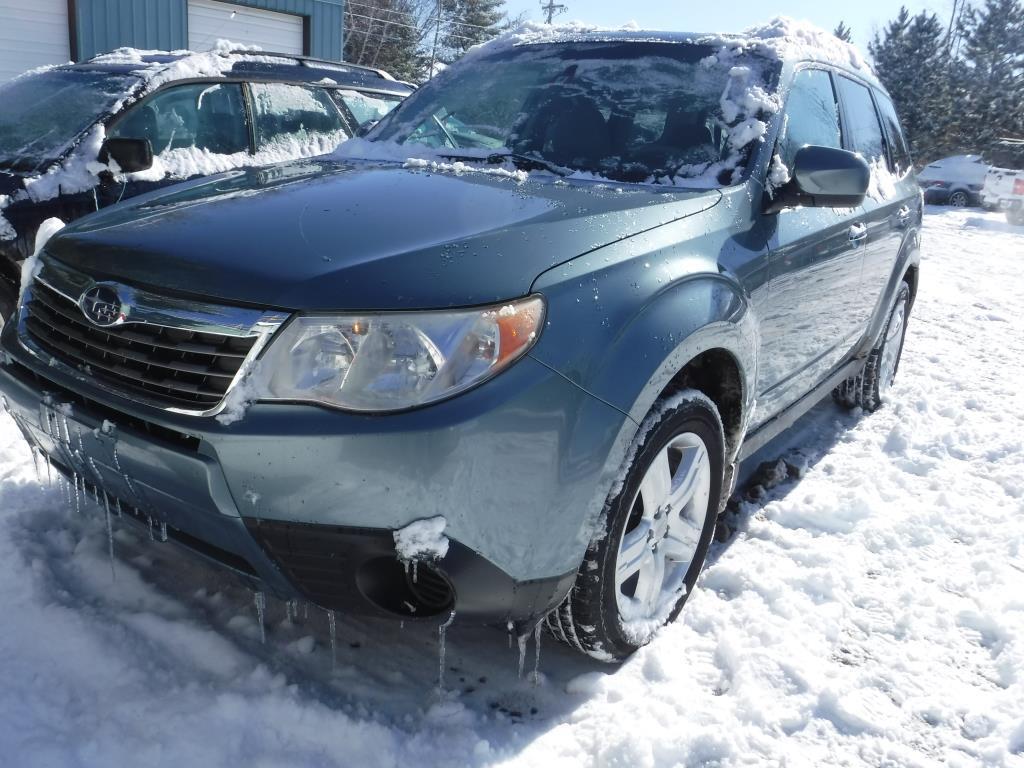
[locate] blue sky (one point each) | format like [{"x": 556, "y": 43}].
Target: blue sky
[{"x": 864, "y": 16}]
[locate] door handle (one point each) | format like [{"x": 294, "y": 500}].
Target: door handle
[
  {"x": 858, "y": 233},
  {"x": 903, "y": 216}
]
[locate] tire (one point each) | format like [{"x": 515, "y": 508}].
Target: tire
[
  {"x": 959, "y": 199},
  {"x": 681, "y": 444},
  {"x": 1015, "y": 218},
  {"x": 869, "y": 389}
]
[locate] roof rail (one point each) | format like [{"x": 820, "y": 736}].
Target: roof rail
[{"x": 307, "y": 60}]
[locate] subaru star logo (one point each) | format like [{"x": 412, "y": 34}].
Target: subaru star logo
[{"x": 101, "y": 305}]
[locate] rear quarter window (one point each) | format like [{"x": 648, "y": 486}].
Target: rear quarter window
[
  {"x": 899, "y": 155},
  {"x": 864, "y": 131}
]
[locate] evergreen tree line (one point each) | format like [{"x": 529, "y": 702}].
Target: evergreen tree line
[
  {"x": 958, "y": 84},
  {"x": 409, "y": 37}
]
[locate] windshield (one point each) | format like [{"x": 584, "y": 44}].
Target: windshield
[
  {"x": 633, "y": 111},
  {"x": 42, "y": 114}
]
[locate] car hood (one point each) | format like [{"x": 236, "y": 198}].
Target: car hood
[{"x": 331, "y": 235}]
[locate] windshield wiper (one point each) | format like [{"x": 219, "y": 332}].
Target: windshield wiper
[{"x": 528, "y": 162}]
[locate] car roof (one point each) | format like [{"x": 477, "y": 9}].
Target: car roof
[{"x": 243, "y": 64}]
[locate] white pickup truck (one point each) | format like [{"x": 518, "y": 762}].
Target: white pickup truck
[{"x": 1004, "y": 190}]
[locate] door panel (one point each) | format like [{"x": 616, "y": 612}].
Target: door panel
[
  {"x": 815, "y": 309},
  {"x": 814, "y": 315}
]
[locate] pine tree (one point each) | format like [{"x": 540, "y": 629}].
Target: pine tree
[
  {"x": 913, "y": 64},
  {"x": 388, "y": 34},
  {"x": 843, "y": 32},
  {"x": 993, "y": 53},
  {"x": 467, "y": 23}
]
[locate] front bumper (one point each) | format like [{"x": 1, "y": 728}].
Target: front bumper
[{"x": 303, "y": 500}]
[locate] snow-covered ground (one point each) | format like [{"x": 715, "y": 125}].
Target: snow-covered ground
[{"x": 870, "y": 612}]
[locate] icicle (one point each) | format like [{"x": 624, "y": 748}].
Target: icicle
[
  {"x": 305, "y": 610},
  {"x": 163, "y": 531},
  {"x": 67, "y": 431},
  {"x": 522, "y": 653},
  {"x": 81, "y": 445},
  {"x": 117, "y": 506},
  {"x": 415, "y": 570},
  {"x": 123, "y": 474},
  {"x": 288, "y": 611},
  {"x": 78, "y": 498},
  {"x": 49, "y": 469},
  {"x": 35, "y": 464},
  {"x": 536, "y": 655},
  {"x": 333, "y": 627},
  {"x": 441, "y": 632},
  {"x": 261, "y": 604},
  {"x": 509, "y": 627},
  {"x": 151, "y": 536},
  {"x": 110, "y": 542}
]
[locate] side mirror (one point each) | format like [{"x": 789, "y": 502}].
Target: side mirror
[
  {"x": 824, "y": 177},
  {"x": 131, "y": 155},
  {"x": 365, "y": 127}
]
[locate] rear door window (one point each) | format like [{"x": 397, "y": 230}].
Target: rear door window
[
  {"x": 204, "y": 116},
  {"x": 899, "y": 155},
  {"x": 864, "y": 132},
  {"x": 295, "y": 120},
  {"x": 812, "y": 115}
]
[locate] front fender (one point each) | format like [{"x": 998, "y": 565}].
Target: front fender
[{"x": 645, "y": 344}]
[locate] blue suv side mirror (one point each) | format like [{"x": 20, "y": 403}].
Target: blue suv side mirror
[{"x": 824, "y": 177}]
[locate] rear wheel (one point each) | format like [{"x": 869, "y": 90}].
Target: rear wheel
[
  {"x": 870, "y": 388},
  {"x": 959, "y": 199},
  {"x": 1015, "y": 217},
  {"x": 657, "y": 528}
]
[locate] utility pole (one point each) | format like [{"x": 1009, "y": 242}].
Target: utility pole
[
  {"x": 433, "y": 49},
  {"x": 552, "y": 8}
]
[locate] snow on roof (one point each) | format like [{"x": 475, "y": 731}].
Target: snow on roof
[
  {"x": 782, "y": 38},
  {"x": 156, "y": 68}
]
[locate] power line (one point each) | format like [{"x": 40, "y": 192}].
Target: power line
[
  {"x": 428, "y": 20},
  {"x": 407, "y": 26}
]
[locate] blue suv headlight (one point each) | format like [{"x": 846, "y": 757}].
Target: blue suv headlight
[{"x": 397, "y": 360}]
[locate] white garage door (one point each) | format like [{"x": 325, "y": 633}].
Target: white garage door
[
  {"x": 209, "y": 21},
  {"x": 33, "y": 33}
]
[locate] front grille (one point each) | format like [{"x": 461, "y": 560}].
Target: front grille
[{"x": 173, "y": 367}]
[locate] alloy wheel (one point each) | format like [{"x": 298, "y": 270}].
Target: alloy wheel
[{"x": 663, "y": 533}]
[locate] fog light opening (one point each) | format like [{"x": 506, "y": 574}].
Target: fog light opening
[{"x": 387, "y": 584}]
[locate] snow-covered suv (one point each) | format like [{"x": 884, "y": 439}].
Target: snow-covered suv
[
  {"x": 79, "y": 137},
  {"x": 498, "y": 360}
]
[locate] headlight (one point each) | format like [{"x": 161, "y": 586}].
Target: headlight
[{"x": 397, "y": 360}]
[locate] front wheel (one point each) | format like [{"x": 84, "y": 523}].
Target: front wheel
[
  {"x": 655, "y": 533},
  {"x": 869, "y": 389}
]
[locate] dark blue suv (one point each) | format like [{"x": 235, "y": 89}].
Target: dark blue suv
[{"x": 80, "y": 137}]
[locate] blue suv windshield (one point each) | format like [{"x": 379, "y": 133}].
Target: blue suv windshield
[
  {"x": 654, "y": 112},
  {"x": 43, "y": 114}
]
